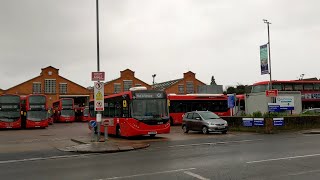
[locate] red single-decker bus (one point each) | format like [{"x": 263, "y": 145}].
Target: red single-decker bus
[
  {"x": 35, "y": 111},
  {"x": 136, "y": 112},
  {"x": 10, "y": 110},
  {"x": 180, "y": 104},
  {"x": 64, "y": 110}
]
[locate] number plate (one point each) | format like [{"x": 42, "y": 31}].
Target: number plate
[
  {"x": 152, "y": 132},
  {"x": 220, "y": 127}
]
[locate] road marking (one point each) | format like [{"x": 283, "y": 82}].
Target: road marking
[
  {"x": 46, "y": 158},
  {"x": 303, "y": 172},
  {"x": 284, "y": 158},
  {"x": 214, "y": 143},
  {"x": 148, "y": 174},
  {"x": 196, "y": 175}
]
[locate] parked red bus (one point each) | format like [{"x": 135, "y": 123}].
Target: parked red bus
[
  {"x": 136, "y": 112},
  {"x": 82, "y": 114},
  {"x": 180, "y": 104},
  {"x": 35, "y": 111},
  {"x": 10, "y": 110},
  {"x": 310, "y": 90},
  {"x": 63, "y": 110}
]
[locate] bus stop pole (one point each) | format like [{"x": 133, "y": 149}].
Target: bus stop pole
[{"x": 98, "y": 66}]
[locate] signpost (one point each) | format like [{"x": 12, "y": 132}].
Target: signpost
[
  {"x": 272, "y": 93},
  {"x": 99, "y": 96},
  {"x": 258, "y": 121},
  {"x": 285, "y": 102},
  {"x": 231, "y": 102},
  {"x": 278, "y": 121},
  {"x": 97, "y": 76},
  {"x": 247, "y": 122}
]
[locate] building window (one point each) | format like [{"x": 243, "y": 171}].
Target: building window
[
  {"x": 63, "y": 88},
  {"x": 117, "y": 88},
  {"x": 190, "y": 88},
  {"x": 127, "y": 84},
  {"x": 180, "y": 88},
  {"x": 36, "y": 88},
  {"x": 50, "y": 86},
  {"x": 137, "y": 85}
]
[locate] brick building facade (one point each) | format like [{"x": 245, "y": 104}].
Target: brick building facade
[
  {"x": 186, "y": 85},
  {"x": 126, "y": 80},
  {"x": 1, "y": 91},
  {"x": 54, "y": 86}
]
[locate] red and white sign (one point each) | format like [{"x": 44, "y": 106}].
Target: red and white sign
[
  {"x": 97, "y": 76},
  {"x": 272, "y": 93},
  {"x": 98, "y": 96},
  {"x": 108, "y": 122}
]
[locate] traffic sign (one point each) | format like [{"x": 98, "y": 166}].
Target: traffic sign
[
  {"x": 231, "y": 101},
  {"x": 93, "y": 123},
  {"x": 272, "y": 93},
  {"x": 99, "y": 96},
  {"x": 97, "y": 76}
]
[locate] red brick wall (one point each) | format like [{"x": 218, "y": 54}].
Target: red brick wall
[
  {"x": 124, "y": 75},
  {"x": 25, "y": 88}
]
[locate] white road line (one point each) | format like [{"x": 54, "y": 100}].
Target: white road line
[
  {"x": 284, "y": 158},
  {"x": 303, "y": 172},
  {"x": 196, "y": 175},
  {"x": 214, "y": 143},
  {"x": 148, "y": 174},
  {"x": 44, "y": 158}
]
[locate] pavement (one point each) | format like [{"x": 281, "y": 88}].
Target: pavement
[{"x": 85, "y": 145}]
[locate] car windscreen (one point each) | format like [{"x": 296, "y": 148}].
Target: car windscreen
[{"x": 209, "y": 115}]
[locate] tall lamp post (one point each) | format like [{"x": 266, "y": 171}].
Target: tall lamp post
[
  {"x": 267, "y": 22},
  {"x": 98, "y": 116},
  {"x": 153, "y": 76}
]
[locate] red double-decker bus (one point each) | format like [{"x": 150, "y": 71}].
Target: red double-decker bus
[
  {"x": 136, "y": 112},
  {"x": 180, "y": 104},
  {"x": 310, "y": 90},
  {"x": 35, "y": 111},
  {"x": 82, "y": 114},
  {"x": 64, "y": 110},
  {"x": 10, "y": 110}
]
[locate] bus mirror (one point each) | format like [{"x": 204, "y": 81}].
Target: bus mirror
[
  {"x": 124, "y": 103},
  {"x": 24, "y": 114},
  {"x": 21, "y": 112}
]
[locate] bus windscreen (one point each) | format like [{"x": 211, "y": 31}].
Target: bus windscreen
[{"x": 150, "y": 109}]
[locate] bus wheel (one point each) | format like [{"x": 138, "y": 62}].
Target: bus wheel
[
  {"x": 152, "y": 135},
  {"x": 118, "y": 131}
]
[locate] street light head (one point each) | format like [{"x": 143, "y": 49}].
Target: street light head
[{"x": 154, "y": 75}]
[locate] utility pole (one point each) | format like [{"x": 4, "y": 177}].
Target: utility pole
[
  {"x": 98, "y": 116},
  {"x": 267, "y": 22}
]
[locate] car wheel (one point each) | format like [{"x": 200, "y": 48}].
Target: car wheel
[
  {"x": 224, "y": 132},
  {"x": 204, "y": 130},
  {"x": 185, "y": 129}
]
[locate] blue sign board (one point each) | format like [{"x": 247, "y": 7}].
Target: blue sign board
[
  {"x": 274, "y": 108},
  {"x": 287, "y": 108},
  {"x": 258, "y": 122},
  {"x": 231, "y": 101},
  {"x": 93, "y": 123},
  {"x": 247, "y": 122},
  {"x": 278, "y": 121}
]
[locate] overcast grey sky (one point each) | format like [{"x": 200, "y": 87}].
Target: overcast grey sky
[{"x": 163, "y": 37}]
